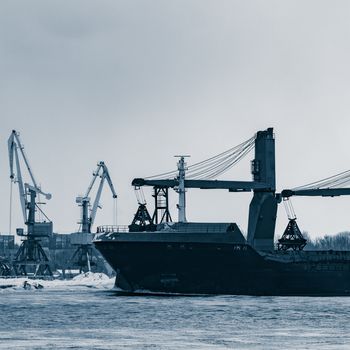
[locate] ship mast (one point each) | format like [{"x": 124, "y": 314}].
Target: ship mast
[{"x": 181, "y": 190}]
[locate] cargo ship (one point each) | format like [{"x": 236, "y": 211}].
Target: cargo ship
[{"x": 155, "y": 254}]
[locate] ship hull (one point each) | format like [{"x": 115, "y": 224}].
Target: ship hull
[{"x": 225, "y": 268}]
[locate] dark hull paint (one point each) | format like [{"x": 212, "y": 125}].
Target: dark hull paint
[{"x": 206, "y": 268}]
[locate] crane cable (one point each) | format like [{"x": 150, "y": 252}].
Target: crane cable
[
  {"x": 140, "y": 196},
  {"x": 214, "y": 166},
  {"x": 10, "y": 214},
  {"x": 288, "y": 206},
  {"x": 334, "y": 181},
  {"x": 221, "y": 163},
  {"x": 115, "y": 216},
  {"x": 220, "y": 167}
]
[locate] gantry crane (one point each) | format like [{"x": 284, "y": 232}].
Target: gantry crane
[
  {"x": 83, "y": 255},
  {"x": 30, "y": 257}
]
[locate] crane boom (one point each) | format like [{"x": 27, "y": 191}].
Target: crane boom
[
  {"x": 232, "y": 186},
  {"x": 97, "y": 201},
  {"x": 95, "y": 174},
  {"x": 102, "y": 172},
  {"x": 322, "y": 192},
  {"x": 14, "y": 143},
  {"x": 21, "y": 188},
  {"x": 109, "y": 180},
  {"x": 104, "y": 176}
]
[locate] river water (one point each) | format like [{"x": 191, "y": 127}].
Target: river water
[{"x": 97, "y": 318}]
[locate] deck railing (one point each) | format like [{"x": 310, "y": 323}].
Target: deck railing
[{"x": 112, "y": 228}]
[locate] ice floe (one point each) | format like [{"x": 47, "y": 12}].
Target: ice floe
[{"x": 84, "y": 280}]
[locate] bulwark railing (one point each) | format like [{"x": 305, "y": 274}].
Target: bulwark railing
[{"x": 112, "y": 228}]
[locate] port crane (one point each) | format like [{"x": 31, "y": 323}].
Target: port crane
[
  {"x": 83, "y": 255},
  {"x": 30, "y": 257}
]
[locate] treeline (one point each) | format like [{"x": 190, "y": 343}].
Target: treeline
[{"x": 340, "y": 241}]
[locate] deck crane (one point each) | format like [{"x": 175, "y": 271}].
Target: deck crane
[
  {"x": 263, "y": 206},
  {"x": 30, "y": 257},
  {"x": 142, "y": 219},
  {"x": 292, "y": 237},
  {"x": 83, "y": 255}
]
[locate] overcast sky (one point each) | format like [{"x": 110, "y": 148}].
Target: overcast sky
[{"x": 135, "y": 82}]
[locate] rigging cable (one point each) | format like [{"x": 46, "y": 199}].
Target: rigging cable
[
  {"x": 115, "y": 216},
  {"x": 214, "y": 166},
  {"x": 10, "y": 218},
  {"x": 218, "y": 169},
  {"x": 334, "y": 181},
  {"x": 41, "y": 213},
  {"x": 140, "y": 196},
  {"x": 288, "y": 206}
]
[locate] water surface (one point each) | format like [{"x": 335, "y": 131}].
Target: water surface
[{"x": 89, "y": 318}]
